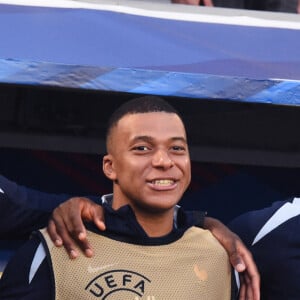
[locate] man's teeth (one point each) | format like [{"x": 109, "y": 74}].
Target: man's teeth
[{"x": 163, "y": 182}]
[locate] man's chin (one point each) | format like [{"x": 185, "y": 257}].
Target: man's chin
[{"x": 158, "y": 208}]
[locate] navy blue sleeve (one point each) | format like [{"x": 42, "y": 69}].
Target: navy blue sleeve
[
  {"x": 18, "y": 221},
  {"x": 14, "y": 284},
  {"x": 23, "y": 210}
]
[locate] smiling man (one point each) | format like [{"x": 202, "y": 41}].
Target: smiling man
[
  {"x": 149, "y": 164},
  {"x": 144, "y": 253}
]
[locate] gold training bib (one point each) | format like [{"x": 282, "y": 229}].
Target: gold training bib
[{"x": 194, "y": 267}]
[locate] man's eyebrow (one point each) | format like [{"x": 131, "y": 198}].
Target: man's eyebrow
[
  {"x": 143, "y": 138},
  {"x": 147, "y": 138},
  {"x": 179, "y": 138}
]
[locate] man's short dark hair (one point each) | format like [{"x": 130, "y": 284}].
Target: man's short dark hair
[{"x": 145, "y": 104}]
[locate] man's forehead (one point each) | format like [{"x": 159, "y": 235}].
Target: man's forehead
[
  {"x": 153, "y": 115},
  {"x": 151, "y": 120},
  {"x": 154, "y": 124}
]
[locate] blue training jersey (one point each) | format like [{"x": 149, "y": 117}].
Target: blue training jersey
[{"x": 272, "y": 234}]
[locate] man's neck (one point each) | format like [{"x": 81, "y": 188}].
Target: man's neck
[
  {"x": 155, "y": 222},
  {"x": 156, "y": 225}
]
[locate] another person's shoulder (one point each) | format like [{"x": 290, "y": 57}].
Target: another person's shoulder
[{"x": 248, "y": 224}]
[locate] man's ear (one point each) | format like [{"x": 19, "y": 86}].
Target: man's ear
[{"x": 108, "y": 167}]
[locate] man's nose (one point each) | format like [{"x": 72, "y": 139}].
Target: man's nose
[{"x": 162, "y": 159}]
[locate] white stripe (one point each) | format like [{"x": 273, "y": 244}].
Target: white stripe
[
  {"x": 283, "y": 214},
  {"x": 107, "y": 199},
  {"x": 241, "y": 20},
  {"x": 38, "y": 258},
  {"x": 1, "y": 191},
  {"x": 237, "y": 279}
]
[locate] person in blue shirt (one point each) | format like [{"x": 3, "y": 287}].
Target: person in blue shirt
[{"x": 150, "y": 170}]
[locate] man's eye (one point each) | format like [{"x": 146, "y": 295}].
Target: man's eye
[
  {"x": 141, "y": 148},
  {"x": 178, "y": 148}
]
